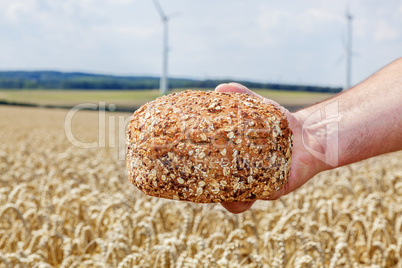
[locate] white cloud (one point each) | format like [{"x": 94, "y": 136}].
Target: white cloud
[
  {"x": 286, "y": 25},
  {"x": 14, "y": 11},
  {"x": 261, "y": 39},
  {"x": 385, "y": 32}
]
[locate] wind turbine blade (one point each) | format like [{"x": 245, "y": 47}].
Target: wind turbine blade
[
  {"x": 160, "y": 10},
  {"x": 343, "y": 40},
  {"x": 339, "y": 60}
]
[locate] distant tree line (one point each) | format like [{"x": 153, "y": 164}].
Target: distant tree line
[{"x": 87, "y": 81}]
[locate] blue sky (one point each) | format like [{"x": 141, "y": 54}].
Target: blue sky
[{"x": 296, "y": 41}]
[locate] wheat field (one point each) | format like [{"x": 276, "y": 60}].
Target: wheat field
[{"x": 64, "y": 206}]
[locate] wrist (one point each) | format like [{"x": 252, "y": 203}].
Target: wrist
[{"x": 318, "y": 136}]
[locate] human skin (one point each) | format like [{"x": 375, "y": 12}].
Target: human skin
[{"x": 362, "y": 122}]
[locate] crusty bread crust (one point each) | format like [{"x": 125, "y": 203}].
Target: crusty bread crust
[{"x": 208, "y": 147}]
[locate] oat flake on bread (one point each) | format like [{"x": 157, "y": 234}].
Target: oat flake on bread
[{"x": 209, "y": 147}]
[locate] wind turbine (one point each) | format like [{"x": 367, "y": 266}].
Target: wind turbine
[
  {"x": 349, "y": 52},
  {"x": 164, "y": 82}
]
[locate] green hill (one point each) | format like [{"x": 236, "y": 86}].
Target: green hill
[{"x": 88, "y": 81}]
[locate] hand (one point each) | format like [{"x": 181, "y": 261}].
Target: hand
[{"x": 304, "y": 166}]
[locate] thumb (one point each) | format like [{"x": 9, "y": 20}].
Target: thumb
[
  {"x": 239, "y": 88},
  {"x": 236, "y": 87}
]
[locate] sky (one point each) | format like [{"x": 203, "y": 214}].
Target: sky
[{"x": 293, "y": 42}]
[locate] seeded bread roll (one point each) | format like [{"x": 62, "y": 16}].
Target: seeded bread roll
[{"x": 208, "y": 147}]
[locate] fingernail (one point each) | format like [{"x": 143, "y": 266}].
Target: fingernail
[{"x": 239, "y": 86}]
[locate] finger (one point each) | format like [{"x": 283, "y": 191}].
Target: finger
[
  {"x": 278, "y": 194},
  {"x": 275, "y": 195},
  {"x": 237, "y": 207},
  {"x": 293, "y": 182},
  {"x": 236, "y": 87}
]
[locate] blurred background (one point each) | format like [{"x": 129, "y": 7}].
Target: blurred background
[
  {"x": 65, "y": 200},
  {"x": 303, "y": 43}
]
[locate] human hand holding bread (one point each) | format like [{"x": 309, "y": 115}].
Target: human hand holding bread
[
  {"x": 234, "y": 147},
  {"x": 235, "y": 150},
  {"x": 302, "y": 167},
  {"x": 362, "y": 122}
]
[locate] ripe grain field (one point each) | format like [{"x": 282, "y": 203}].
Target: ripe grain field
[
  {"x": 63, "y": 206},
  {"x": 128, "y": 100}
]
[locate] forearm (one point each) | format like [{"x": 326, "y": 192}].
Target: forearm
[{"x": 360, "y": 123}]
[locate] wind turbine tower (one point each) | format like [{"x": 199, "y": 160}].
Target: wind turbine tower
[
  {"x": 349, "y": 52},
  {"x": 164, "y": 82}
]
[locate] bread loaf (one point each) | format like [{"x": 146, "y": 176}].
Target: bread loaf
[{"x": 208, "y": 147}]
